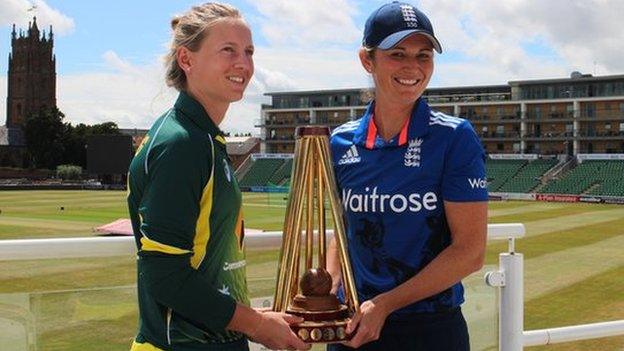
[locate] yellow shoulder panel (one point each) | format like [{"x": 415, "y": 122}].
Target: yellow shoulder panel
[{"x": 143, "y": 347}]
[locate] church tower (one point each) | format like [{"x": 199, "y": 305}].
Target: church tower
[{"x": 31, "y": 75}]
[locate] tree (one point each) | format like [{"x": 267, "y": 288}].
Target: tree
[
  {"x": 76, "y": 138},
  {"x": 106, "y": 128},
  {"x": 52, "y": 142},
  {"x": 74, "y": 141},
  {"x": 44, "y": 133}
]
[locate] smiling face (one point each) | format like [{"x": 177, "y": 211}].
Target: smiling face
[
  {"x": 401, "y": 74},
  {"x": 220, "y": 70}
]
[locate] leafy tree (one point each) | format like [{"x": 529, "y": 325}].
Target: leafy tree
[
  {"x": 51, "y": 142},
  {"x": 44, "y": 133},
  {"x": 105, "y": 128},
  {"x": 76, "y": 140}
]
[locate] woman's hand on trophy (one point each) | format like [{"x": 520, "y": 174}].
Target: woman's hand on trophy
[
  {"x": 367, "y": 323},
  {"x": 273, "y": 331}
]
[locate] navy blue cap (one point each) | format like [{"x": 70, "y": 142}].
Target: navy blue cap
[{"x": 393, "y": 22}]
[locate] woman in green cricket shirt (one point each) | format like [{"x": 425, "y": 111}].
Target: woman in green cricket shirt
[{"x": 185, "y": 204}]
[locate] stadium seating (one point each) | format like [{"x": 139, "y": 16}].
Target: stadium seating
[
  {"x": 500, "y": 171},
  {"x": 282, "y": 174},
  {"x": 596, "y": 177},
  {"x": 611, "y": 182},
  {"x": 592, "y": 177},
  {"x": 261, "y": 171},
  {"x": 528, "y": 177}
]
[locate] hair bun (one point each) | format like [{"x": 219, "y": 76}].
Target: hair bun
[{"x": 175, "y": 21}]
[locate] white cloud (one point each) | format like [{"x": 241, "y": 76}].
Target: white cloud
[
  {"x": 318, "y": 69},
  {"x": 499, "y": 35},
  {"x": 133, "y": 96},
  {"x": 21, "y": 12},
  {"x": 309, "y": 45},
  {"x": 307, "y": 23},
  {"x": 130, "y": 95}
]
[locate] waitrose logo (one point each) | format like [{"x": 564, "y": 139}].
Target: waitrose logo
[{"x": 372, "y": 201}]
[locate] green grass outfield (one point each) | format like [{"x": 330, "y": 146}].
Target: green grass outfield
[{"x": 574, "y": 269}]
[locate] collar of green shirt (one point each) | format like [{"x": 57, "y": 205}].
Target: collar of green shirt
[{"x": 192, "y": 109}]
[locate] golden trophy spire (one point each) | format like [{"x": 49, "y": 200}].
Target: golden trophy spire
[{"x": 309, "y": 296}]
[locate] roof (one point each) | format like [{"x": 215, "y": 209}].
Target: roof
[
  {"x": 240, "y": 145},
  {"x": 359, "y": 90},
  {"x": 580, "y": 78}
]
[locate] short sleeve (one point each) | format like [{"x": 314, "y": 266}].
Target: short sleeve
[
  {"x": 177, "y": 174},
  {"x": 464, "y": 176}
]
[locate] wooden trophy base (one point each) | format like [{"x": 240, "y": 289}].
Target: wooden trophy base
[{"x": 325, "y": 319}]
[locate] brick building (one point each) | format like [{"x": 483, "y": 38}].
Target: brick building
[
  {"x": 31, "y": 87},
  {"x": 580, "y": 114}
]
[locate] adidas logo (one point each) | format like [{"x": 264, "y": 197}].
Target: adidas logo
[{"x": 351, "y": 156}]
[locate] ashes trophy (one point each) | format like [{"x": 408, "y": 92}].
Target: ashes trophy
[{"x": 309, "y": 295}]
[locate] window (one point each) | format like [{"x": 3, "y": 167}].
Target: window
[
  {"x": 569, "y": 128},
  {"x": 570, "y": 110},
  {"x": 591, "y": 129},
  {"x": 590, "y": 110},
  {"x": 610, "y": 148},
  {"x": 500, "y": 130},
  {"x": 343, "y": 100},
  {"x": 608, "y": 89},
  {"x": 621, "y": 126},
  {"x": 470, "y": 112},
  {"x": 500, "y": 146}
]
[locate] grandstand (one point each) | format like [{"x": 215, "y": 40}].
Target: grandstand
[
  {"x": 592, "y": 177},
  {"x": 282, "y": 175},
  {"x": 612, "y": 177},
  {"x": 595, "y": 177},
  {"x": 500, "y": 171},
  {"x": 528, "y": 176},
  {"x": 261, "y": 172}
]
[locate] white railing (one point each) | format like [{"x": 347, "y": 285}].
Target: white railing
[
  {"x": 573, "y": 333},
  {"x": 31, "y": 249},
  {"x": 508, "y": 278}
]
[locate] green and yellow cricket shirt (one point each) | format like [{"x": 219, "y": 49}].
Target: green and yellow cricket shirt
[{"x": 185, "y": 208}]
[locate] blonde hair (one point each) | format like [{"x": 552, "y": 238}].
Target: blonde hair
[{"x": 189, "y": 29}]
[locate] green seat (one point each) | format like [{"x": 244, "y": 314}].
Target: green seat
[
  {"x": 594, "y": 177},
  {"x": 261, "y": 172}
]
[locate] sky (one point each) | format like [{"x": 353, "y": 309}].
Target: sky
[{"x": 109, "y": 53}]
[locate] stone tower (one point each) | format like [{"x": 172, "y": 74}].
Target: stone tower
[{"x": 31, "y": 75}]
